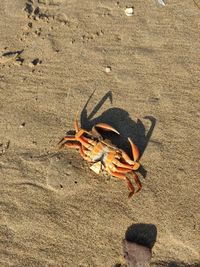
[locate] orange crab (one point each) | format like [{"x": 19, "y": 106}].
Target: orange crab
[{"x": 96, "y": 150}]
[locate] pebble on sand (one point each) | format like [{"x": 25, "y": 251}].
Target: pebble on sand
[
  {"x": 129, "y": 11},
  {"x": 35, "y": 62},
  {"x": 22, "y": 125},
  {"x": 108, "y": 69}
]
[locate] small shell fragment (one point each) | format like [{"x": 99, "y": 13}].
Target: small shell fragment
[
  {"x": 108, "y": 69},
  {"x": 129, "y": 11},
  {"x": 161, "y": 2},
  {"x": 96, "y": 167}
]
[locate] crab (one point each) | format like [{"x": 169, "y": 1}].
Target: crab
[{"x": 103, "y": 155}]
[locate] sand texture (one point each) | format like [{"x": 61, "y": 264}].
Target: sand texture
[{"x": 140, "y": 74}]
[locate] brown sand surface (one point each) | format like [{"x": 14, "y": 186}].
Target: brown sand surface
[{"x": 54, "y": 211}]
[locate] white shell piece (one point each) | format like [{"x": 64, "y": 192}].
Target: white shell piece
[
  {"x": 161, "y": 2},
  {"x": 129, "y": 11},
  {"x": 108, "y": 69},
  {"x": 96, "y": 167}
]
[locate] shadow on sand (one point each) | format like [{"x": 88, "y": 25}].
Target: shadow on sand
[{"x": 121, "y": 121}]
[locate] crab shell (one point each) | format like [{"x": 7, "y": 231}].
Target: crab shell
[
  {"x": 103, "y": 155},
  {"x": 96, "y": 167}
]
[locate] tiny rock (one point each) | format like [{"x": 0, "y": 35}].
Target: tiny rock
[
  {"x": 108, "y": 69},
  {"x": 35, "y": 62},
  {"x": 129, "y": 11},
  {"x": 22, "y": 125}
]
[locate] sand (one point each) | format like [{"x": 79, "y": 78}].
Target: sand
[{"x": 141, "y": 74}]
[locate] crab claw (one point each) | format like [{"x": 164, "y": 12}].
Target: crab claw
[
  {"x": 135, "y": 150},
  {"x": 106, "y": 127}
]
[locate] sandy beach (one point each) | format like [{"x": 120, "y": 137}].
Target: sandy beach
[{"x": 141, "y": 75}]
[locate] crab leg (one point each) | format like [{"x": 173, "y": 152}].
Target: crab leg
[
  {"x": 83, "y": 154},
  {"x": 123, "y": 177},
  {"x": 111, "y": 158},
  {"x": 134, "y": 165},
  {"x": 135, "y": 150},
  {"x": 77, "y": 138},
  {"x": 121, "y": 170},
  {"x": 137, "y": 181},
  {"x": 82, "y": 139},
  {"x": 86, "y": 152},
  {"x": 74, "y": 144},
  {"x": 96, "y": 134},
  {"x": 123, "y": 165},
  {"x": 78, "y": 146},
  {"x": 67, "y": 138},
  {"x": 130, "y": 186}
]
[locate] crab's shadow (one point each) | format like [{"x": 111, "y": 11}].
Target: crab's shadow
[{"x": 121, "y": 121}]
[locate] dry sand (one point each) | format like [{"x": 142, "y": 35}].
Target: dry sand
[{"x": 54, "y": 53}]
